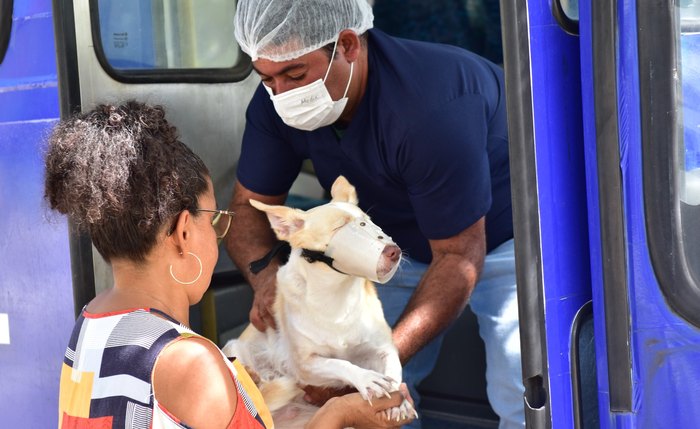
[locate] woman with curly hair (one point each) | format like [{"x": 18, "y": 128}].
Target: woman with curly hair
[{"x": 147, "y": 201}]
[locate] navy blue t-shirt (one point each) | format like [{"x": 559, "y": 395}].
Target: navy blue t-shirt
[{"x": 427, "y": 148}]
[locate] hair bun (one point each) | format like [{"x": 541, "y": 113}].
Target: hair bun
[{"x": 120, "y": 172}]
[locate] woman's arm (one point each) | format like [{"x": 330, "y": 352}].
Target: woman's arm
[
  {"x": 352, "y": 410},
  {"x": 192, "y": 381}
]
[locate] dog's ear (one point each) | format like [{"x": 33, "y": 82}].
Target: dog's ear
[
  {"x": 343, "y": 191},
  {"x": 285, "y": 221}
]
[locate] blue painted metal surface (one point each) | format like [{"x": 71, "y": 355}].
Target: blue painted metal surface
[
  {"x": 561, "y": 187},
  {"x": 665, "y": 350},
  {"x": 35, "y": 280}
]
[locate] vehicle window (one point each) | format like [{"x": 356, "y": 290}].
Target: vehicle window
[
  {"x": 669, "y": 84},
  {"x": 133, "y": 36},
  {"x": 669, "y": 90},
  {"x": 688, "y": 146},
  {"x": 5, "y": 26},
  {"x": 570, "y": 9},
  {"x": 566, "y": 14}
]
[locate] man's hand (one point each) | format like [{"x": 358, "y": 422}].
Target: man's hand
[{"x": 261, "y": 314}]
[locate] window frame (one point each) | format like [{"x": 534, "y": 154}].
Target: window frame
[
  {"x": 6, "y": 7},
  {"x": 659, "y": 52},
  {"x": 238, "y": 72}
]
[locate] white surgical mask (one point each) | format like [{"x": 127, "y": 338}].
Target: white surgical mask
[{"x": 310, "y": 107}]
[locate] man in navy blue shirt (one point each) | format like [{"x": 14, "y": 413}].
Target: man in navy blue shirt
[{"x": 420, "y": 130}]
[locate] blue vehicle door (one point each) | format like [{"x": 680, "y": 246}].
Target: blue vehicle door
[
  {"x": 605, "y": 161},
  {"x": 548, "y": 178},
  {"x": 640, "y": 80},
  {"x": 36, "y": 299}
]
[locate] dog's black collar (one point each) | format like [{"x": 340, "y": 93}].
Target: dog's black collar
[
  {"x": 283, "y": 249},
  {"x": 312, "y": 256}
]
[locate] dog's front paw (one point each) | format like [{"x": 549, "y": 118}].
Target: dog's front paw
[
  {"x": 406, "y": 410},
  {"x": 402, "y": 412},
  {"x": 372, "y": 384}
]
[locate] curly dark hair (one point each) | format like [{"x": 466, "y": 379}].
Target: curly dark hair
[{"x": 120, "y": 173}]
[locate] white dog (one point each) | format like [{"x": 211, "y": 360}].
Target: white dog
[{"x": 331, "y": 330}]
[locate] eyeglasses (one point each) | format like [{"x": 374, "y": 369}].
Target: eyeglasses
[{"x": 220, "y": 226}]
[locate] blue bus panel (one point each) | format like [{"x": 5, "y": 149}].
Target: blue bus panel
[{"x": 35, "y": 280}]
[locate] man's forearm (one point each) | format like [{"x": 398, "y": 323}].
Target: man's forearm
[
  {"x": 249, "y": 239},
  {"x": 438, "y": 300}
]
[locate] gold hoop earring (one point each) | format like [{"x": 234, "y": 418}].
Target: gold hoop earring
[{"x": 198, "y": 275}]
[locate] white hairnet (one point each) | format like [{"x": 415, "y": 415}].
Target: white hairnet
[{"x": 281, "y": 30}]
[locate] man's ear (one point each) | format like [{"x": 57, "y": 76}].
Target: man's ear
[
  {"x": 343, "y": 191},
  {"x": 285, "y": 221},
  {"x": 349, "y": 44}
]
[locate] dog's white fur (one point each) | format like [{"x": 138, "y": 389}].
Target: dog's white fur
[{"x": 331, "y": 330}]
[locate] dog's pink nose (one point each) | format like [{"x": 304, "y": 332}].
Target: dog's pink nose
[{"x": 391, "y": 252}]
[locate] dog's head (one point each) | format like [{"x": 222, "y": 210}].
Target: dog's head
[{"x": 340, "y": 231}]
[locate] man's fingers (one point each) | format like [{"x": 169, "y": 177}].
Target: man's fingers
[
  {"x": 261, "y": 314},
  {"x": 256, "y": 320},
  {"x": 269, "y": 321},
  {"x": 259, "y": 324},
  {"x": 261, "y": 318},
  {"x": 403, "y": 388}
]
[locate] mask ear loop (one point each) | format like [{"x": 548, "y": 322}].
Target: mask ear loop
[
  {"x": 335, "y": 45},
  {"x": 352, "y": 66}
]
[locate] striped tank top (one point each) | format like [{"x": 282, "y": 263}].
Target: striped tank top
[{"x": 106, "y": 375}]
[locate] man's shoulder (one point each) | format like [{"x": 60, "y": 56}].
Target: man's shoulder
[
  {"x": 397, "y": 49},
  {"x": 414, "y": 72}
]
